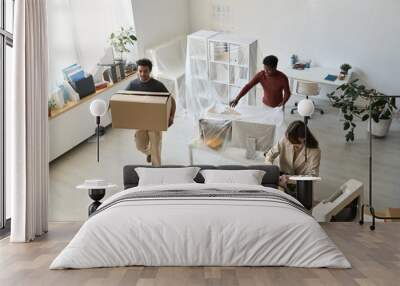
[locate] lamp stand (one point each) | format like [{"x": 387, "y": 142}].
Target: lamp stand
[
  {"x": 371, "y": 208},
  {"x": 98, "y": 136},
  {"x": 100, "y": 129},
  {"x": 305, "y": 137}
]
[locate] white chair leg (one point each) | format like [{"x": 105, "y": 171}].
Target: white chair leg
[
  {"x": 190, "y": 154},
  {"x": 176, "y": 86}
]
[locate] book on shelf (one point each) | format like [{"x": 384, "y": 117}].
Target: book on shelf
[{"x": 331, "y": 77}]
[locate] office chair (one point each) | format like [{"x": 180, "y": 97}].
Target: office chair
[{"x": 307, "y": 88}]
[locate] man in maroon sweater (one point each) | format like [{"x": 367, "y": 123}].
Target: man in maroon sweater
[{"x": 275, "y": 84}]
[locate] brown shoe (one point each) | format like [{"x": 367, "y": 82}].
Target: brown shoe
[{"x": 148, "y": 158}]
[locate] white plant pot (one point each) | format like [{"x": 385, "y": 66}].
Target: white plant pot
[{"x": 380, "y": 129}]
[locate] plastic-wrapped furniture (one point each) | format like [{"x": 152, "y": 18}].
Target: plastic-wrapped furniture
[
  {"x": 226, "y": 132},
  {"x": 341, "y": 205},
  {"x": 307, "y": 88},
  {"x": 218, "y": 65},
  {"x": 169, "y": 66}
]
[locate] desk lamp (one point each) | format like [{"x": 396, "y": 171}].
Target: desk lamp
[{"x": 98, "y": 108}]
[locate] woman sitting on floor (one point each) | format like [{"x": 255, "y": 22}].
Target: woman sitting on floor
[{"x": 290, "y": 150}]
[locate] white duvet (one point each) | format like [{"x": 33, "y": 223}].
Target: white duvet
[{"x": 193, "y": 231}]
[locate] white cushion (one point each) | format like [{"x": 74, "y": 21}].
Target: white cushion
[
  {"x": 247, "y": 177},
  {"x": 166, "y": 176}
]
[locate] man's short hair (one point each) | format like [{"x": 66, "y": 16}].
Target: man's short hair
[
  {"x": 271, "y": 61},
  {"x": 145, "y": 62}
]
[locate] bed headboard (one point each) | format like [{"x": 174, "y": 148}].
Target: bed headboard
[{"x": 270, "y": 179}]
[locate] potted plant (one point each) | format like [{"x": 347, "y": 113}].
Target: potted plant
[
  {"x": 382, "y": 114},
  {"x": 356, "y": 101},
  {"x": 122, "y": 41},
  {"x": 293, "y": 59},
  {"x": 51, "y": 105},
  {"x": 344, "y": 69}
]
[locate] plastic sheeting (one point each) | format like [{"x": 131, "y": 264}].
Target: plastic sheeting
[
  {"x": 254, "y": 128},
  {"x": 217, "y": 68},
  {"x": 218, "y": 65},
  {"x": 169, "y": 67}
]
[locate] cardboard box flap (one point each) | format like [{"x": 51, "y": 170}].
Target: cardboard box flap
[
  {"x": 159, "y": 94},
  {"x": 139, "y": 98}
]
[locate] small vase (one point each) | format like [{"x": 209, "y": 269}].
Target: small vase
[{"x": 293, "y": 59}]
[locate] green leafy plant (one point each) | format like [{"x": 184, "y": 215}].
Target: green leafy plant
[
  {"x": 345, "y": 97},
  {"x": 123, "y": 40},
  {"x": 51, "y": 103},
  {"x": 345, "y": 68}
]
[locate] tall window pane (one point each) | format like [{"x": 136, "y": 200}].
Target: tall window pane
[
  {"x": 8, "y": 74},
  {"x": 1, "y": 14},
  {"x": 2, "y": 194},
  {"x": 6, "y": 66},
  {"x": 9, "y": 12}
]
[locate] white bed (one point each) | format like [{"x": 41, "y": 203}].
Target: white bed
[{"x": 202, "y": 231}]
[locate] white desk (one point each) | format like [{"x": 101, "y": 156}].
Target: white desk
[{"x": 315, "y": 74}]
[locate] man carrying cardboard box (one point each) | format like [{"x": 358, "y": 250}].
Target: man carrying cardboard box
[{"x": 149, "y": 141}]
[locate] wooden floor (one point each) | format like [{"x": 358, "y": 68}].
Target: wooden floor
[{"x": 375, "y": 257}]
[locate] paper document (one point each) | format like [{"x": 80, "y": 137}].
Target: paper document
[{"x": 222, "y": 109}]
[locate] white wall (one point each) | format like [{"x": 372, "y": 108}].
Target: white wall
[
  {"x": 158, "y": 21},
  {"x": 61, "y": 41},
  {"x": 364, "y": 33},
  {"x": 93, "y": 22},
  {"x": 79, "y": 31}
]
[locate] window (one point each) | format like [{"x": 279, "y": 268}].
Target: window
[
  {"x": 6, "y": 44},
  {"x": 9, "y": 19}
]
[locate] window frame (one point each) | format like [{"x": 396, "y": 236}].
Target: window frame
[{"x": 6, "y": 39}]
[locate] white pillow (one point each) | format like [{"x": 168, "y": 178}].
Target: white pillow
[
  {"x": 166, "y": 176},
  {"x": 248, "y": 177}
]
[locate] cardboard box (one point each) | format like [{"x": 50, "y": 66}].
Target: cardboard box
[{"x": 140, "y": 110}]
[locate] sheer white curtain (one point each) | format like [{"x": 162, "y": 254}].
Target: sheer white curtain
[{"x": 26, "y": 117}]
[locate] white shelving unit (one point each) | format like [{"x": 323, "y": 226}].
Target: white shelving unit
[{"x": 219, "y": 65}]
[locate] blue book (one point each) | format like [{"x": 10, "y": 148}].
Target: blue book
[
  {"x": 72, "y": 69},
  {"x": 80, "y": 74},
  {"x": 331, "y": 77}
]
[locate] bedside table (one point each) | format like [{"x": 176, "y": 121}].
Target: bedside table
[
  {"x": 96, "y": 190},
  {"x": 304, "y": 189}
]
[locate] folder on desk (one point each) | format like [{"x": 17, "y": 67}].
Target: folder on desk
[{"x": 331, "y": 77}]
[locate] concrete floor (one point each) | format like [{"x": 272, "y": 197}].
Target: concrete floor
[{"x": 340, "y": 162}]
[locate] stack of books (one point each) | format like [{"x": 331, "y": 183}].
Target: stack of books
[{"x": 73, "y": 73}]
